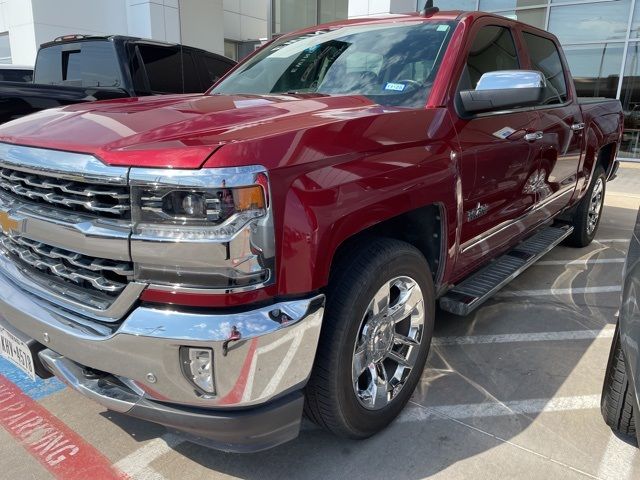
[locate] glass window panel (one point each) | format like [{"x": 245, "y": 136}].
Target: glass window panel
[
  {"x": 454, "y": 4},
  {"x": 489, "y": 5},
  {"x": 231, "y": 50},
  {"x": 595, "y": 68},
  {"x": 630, "y": 98},
  {"x": 591, "y": 22},
  {"x": 546, "y": 59},
  {"x": 492, "y": 50},
  {"x": 535, "y": 17},
  {"x": 635, "y": 24},
  {"x": 5, "y": 48}
]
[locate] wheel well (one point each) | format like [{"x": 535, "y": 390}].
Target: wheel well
[
  {"x": 606, "y": 156},
  {"x": 421, "y": 228}
]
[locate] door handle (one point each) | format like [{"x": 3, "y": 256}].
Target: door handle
[
  {"x": 576, "y": 127},
  {"x": 533, "y": 137}
]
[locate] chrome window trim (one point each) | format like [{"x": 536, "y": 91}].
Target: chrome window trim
[{"x": 78, "y": 167}]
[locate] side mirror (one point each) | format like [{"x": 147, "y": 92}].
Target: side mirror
[{"x": 505, "y": 89}]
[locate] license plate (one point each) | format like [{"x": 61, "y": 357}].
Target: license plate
[{"x": 17, "y": 352}]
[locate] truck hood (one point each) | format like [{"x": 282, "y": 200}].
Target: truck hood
[{"x": 179, "y": 131}]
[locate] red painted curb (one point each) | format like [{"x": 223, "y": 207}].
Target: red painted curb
[{"x": 58, "y": 448}]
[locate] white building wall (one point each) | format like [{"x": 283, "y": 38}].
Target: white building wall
[
  {"x": 245, "y": 19},
  {"x": 363, "y": 8},
  {"x": 199, "y": 23},
  {"x": 16, "y": 17},
  {"x": 202, "y": 23}
]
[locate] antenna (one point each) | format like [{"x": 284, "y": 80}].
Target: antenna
[{"x": 429, "y": 9}]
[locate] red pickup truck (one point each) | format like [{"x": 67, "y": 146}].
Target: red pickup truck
[{"x": 219, "y": 263}]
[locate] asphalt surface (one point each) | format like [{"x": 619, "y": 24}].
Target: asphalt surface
[{"x": 512, "y": 391}]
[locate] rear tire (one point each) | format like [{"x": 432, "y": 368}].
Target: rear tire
[
  {"x": 588, "y": 213},
  {"x": 357, "y": 388},
  {"x": 617, "y": 394}
]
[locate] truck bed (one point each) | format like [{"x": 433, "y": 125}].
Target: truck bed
[{"x": 19, "y": 99}]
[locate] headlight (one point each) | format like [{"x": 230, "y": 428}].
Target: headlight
[
  {"x": 206, "y": 229},
  {"x": 211, "y": 214}
]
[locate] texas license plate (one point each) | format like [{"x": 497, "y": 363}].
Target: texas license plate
[{"x": 17, "y": 352}]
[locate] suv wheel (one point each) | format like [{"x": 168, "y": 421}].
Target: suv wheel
[
  {"x": 375, "y": 338},
  {"x": 617, "y": 397}
]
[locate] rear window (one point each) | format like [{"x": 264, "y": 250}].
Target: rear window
[
  {"x": 82, "y": 64},
  {"x": 546, "y": 59},
  {"x": 16, "y": 75}
]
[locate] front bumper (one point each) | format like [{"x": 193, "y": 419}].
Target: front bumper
[{"x": 254, "y": 375}]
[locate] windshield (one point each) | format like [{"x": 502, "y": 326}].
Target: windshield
[{"x": 392, "y": 64}]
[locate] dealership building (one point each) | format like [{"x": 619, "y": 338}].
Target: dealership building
[{"x": 601, "y": 38}]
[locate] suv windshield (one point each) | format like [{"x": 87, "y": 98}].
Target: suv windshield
[{"x": 392, "y": 64}]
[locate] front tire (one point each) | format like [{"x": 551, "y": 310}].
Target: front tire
[
  {"x": 586, "y": 218},
  {"x": 375, "y": 338},
  {"x": 617, "y": 400}
]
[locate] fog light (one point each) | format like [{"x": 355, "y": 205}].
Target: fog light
[{"x": 197, "y": 366}]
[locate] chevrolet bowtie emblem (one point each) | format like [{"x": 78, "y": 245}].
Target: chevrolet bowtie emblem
[{"x": 8, "y": 224}]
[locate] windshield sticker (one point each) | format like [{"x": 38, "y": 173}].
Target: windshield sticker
[
  {"x": 504, "y": 133},
  {"x": 396, "y": 87},
  {"x": 443, "y": 28}
]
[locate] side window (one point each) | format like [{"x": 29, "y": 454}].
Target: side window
[
  {"x": 493, "y": 49},
  {"x": 191, "y": 79},
  {"x": 164, "y": 68},
  {"x": 545, "y": 58}
]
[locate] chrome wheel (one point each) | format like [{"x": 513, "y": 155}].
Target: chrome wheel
[
  {"x": 388, "y": 342},
  {"x": 595, "y": 206}
]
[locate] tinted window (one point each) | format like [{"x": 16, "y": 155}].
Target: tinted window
[
  {"x": 191, "y": 79},
  {"x": 545, "y": 58},
  {"x": 164, "y": 68},
  {"x": 393, "y": 65},
  {"x": 492, "y": 50},
  {"x": 84, "y": 64},
  {"x": 212, "y": 69},
  {"x": 16, "y": 75}
]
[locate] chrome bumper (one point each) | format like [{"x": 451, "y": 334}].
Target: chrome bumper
[{"x": 274, "y": 355}]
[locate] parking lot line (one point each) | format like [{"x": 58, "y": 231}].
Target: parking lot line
[
  {"x": 558, "y": 291},
  {"x": 137, "y": 464},
  {"x": 606, "y": 332},
  {"x": 586, "y": 261},
  {"x": 64, "y": 453},
  {"x": 498, "y": 409},
  {"x": 612, "y": 240}
]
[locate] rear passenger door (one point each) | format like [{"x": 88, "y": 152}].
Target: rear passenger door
[
  {"x": 496, "y": 160},
  {"x": 560, "y": 121}
]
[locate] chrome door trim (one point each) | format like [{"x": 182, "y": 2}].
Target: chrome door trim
[{"x": 500, "y": 228}]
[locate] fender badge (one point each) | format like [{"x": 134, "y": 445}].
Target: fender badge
[
  {"x": 479, "y": 211},
  {"x": 8, "y": 224}
]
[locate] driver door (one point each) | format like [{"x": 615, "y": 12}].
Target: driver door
[{"x": 498, "y": 157}]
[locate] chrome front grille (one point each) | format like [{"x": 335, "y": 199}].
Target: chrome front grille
[
  {"x": 101, "y": 275},
  {"x": 111, "y": 200}
]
